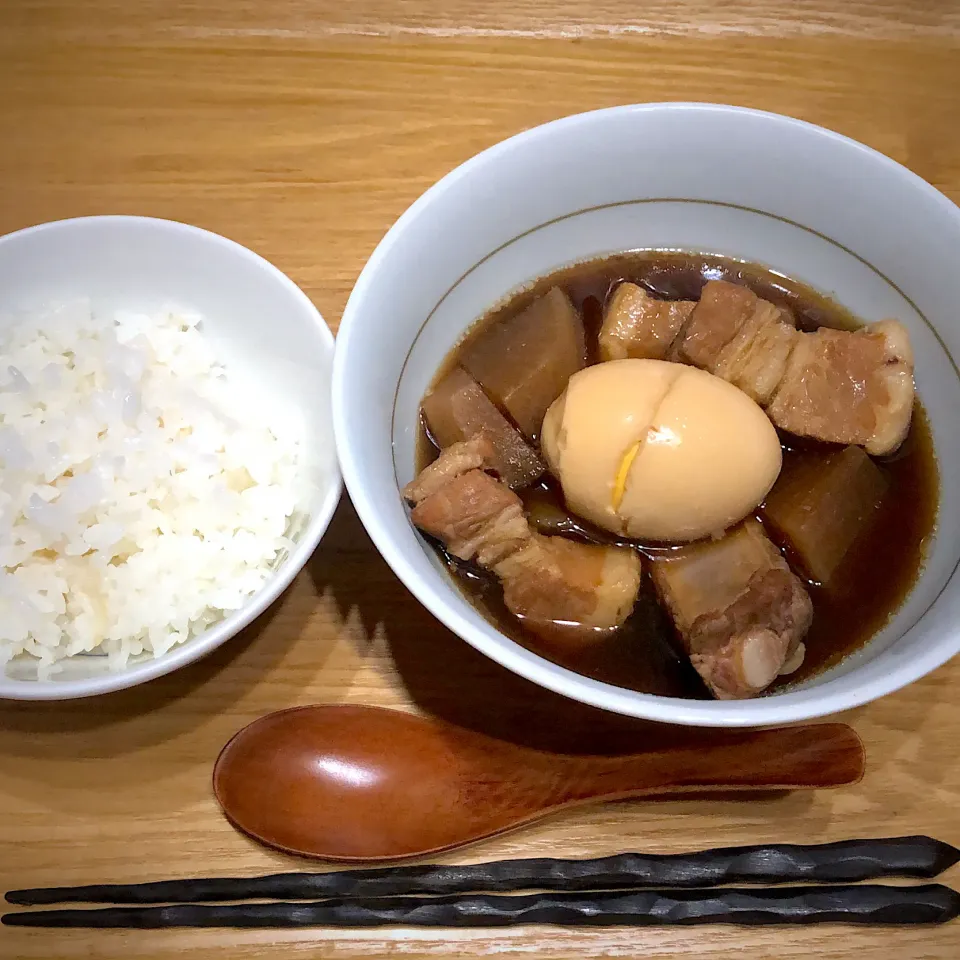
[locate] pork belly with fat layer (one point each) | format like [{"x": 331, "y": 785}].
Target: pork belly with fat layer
[
  {"x": 739, "y": 610},
  {"x": 637, "y": 325},
  {"x": 849, "y": 387},
  {"x": 545, "y": 579}
]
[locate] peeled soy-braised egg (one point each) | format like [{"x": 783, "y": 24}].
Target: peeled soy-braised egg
[{"x": 659, "y": 451}]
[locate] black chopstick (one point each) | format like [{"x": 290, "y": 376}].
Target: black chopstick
[
  {"x": 844, "y": 862},
  {"x": 863, "y": 904}
]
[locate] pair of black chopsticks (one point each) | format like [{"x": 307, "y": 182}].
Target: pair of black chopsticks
[{"x": 631, "y": 889}]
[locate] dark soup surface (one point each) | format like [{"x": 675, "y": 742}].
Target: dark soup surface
[{"x": 852, "y": 597}]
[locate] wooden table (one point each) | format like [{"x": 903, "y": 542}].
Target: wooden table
[{"x": 303, "y": 128}]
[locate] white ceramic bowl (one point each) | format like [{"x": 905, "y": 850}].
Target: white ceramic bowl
[
  {"x": 262, "y": 326},
  {"x": 761, "y": 187}
]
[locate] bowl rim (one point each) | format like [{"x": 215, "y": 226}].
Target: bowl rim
[
  {"x": 224, "y": 630},
  {"x": 786, "y": 708}
]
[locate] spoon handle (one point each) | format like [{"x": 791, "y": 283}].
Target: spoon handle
[
  {"x": 817, "y": 755},
  {"x": 863, "y": 904}
]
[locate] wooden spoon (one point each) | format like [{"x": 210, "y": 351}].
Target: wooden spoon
[{"x": 365, "y": 783}]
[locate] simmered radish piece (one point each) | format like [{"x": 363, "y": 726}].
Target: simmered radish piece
[
  {"x": 458, "y": 409},
  {"x": 821, "y": 503},
  {"x": 525, "y": 361}
]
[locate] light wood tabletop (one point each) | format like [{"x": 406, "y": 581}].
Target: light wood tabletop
[{"x": 303, "y": 128}]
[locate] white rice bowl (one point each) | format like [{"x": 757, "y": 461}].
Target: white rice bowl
[
  {"x": 142, "y": 495},
  {"x": 167, "y": 463}
]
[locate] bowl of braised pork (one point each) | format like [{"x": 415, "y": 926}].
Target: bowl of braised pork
[{"x": 655, "y": 407}]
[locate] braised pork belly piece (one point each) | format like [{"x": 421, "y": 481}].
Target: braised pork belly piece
[
  {"x": 545, "y": 579},
  {"x": 720, "y": 312},
  {"x": 837, "y": 386},
  {"x": 849, "y": 387},
  {"x": 739, "y": 611},
  {"x": 637, "y": 325},
  {"x": 477, "y": 453},
  {"x": 457, "y": 409},
  {"x": 755, "y": 360},
  {"x": 556, "y": 581},
  {"x": 729, "y": 332}
]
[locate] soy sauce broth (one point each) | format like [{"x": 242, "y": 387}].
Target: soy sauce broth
[{"x": 874, "y": 577}]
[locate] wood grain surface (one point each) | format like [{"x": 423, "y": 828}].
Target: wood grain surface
[{"x": 303, "y": 129}]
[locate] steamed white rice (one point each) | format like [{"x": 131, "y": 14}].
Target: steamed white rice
[{"x": 141, "y": 498}]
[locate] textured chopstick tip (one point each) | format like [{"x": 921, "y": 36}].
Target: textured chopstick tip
[{"x": 949, "y": 857}]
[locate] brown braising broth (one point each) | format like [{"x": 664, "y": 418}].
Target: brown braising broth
[{"x": 874, "y": 578}]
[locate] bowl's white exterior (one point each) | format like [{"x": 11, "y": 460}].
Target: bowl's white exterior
[
  {"x": 762, "y": 187},
  {"x": 262, "y": 325}
]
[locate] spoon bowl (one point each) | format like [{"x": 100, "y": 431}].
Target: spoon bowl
[{"x": 344, "y": 782}]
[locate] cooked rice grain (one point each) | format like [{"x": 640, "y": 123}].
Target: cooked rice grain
[{"x": 141, "y": 497}]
